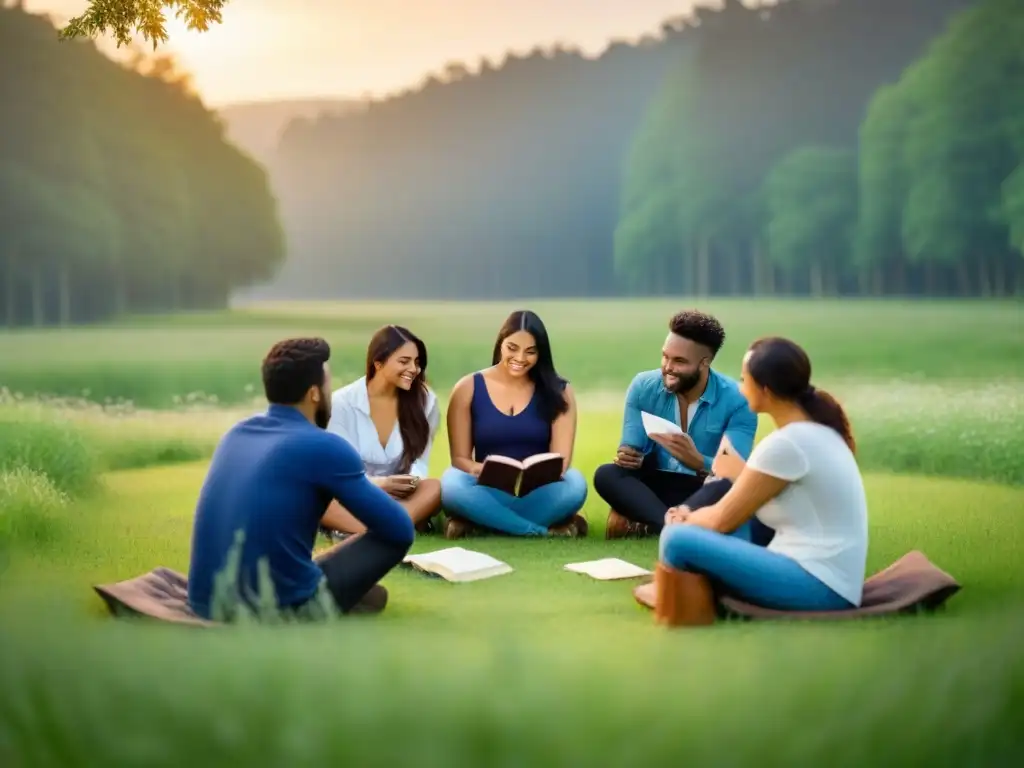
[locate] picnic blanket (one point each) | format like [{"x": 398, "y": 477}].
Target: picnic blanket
[
  {"x": 160, "y": 594},
  {"x": 912, "y": 584}
]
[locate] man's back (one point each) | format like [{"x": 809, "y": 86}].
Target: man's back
[{"x": 264, "y": 481}]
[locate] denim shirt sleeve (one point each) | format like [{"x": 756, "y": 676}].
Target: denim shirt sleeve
[
  {"x": 633, "y": 432},
  {"x": 740, "y": 429}
]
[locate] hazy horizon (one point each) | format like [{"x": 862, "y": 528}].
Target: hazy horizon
[{"x": 308, "y": 49}]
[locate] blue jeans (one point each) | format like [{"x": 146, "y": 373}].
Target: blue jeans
[
  {"x": 530, "y": 515},
  {"x": 745, "y": 570}
]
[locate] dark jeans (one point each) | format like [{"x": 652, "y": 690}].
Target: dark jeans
[
  {"x": 645, "y": 495},
  {"x": 354, "y": 566}
]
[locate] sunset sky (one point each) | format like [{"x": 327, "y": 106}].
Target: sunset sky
[{"x": 296, "y": 48}]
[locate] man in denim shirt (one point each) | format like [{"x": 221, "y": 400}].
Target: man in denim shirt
[{"x": 651, "y": 475}]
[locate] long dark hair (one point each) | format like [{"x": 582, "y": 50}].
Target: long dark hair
[
  {"x": 783, "y": 367},
  {"x": 549, "y": 386},
  {"x": 412, "y": 403}
]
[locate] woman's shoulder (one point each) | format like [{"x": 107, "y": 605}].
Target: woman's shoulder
[
  {"x": 467, "y": 383},
  {"x": 350, "y": 394}
]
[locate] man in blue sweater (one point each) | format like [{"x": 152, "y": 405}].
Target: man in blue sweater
[{"x": 272, "y": 478}]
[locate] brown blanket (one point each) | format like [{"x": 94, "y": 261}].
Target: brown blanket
[
  {"x": 910, "y": 585},
  {"x": 160, "y": 594}
]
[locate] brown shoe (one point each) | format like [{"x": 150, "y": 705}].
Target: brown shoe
[
  {"x": 374, "y": 601},
  {"x": 575, "y": 528},
  {"x": 619, "y": 527},
  {"x": 457, "y": 528}
]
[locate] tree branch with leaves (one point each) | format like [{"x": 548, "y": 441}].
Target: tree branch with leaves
[{"x": 147, "y": 18}]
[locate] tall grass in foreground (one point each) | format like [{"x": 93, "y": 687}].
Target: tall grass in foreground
[
  {"x": 30, "y": 510},
  {"x": 768, "y": 696},
  {"x": 48, "y": 445}
]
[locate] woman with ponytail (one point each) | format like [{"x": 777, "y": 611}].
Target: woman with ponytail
[
  {"x": 802, "y": 480},
  {"x": 390, "y": 416}
]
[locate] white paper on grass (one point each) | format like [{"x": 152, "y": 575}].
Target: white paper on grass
[
  {"x": 608, "y": 569},
  {"x": 655, "y": 425}
]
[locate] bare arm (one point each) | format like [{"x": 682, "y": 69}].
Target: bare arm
[
  {"x": 460, "y": 427},
  {"x": 563, "y": 430},
  {"x": 751, "y": 491}
]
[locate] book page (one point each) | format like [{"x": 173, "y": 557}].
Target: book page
[
  {"x": 456, "y": 560},
  {"x": 539, "y": 458},
  {"x": 504, "y": 461},
  {"x": 655, "y": 425},
  {"x": 608, "y": 569}
]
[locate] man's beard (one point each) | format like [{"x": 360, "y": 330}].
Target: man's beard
[
  {"x": 323, "y": 413},
  {"x": 684, "y": 383}
]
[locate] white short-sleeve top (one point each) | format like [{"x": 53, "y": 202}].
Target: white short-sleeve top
[
  {"x": 821, "y": 517},
  {"x": 350, "y": 418}
]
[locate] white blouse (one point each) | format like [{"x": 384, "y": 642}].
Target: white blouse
[{"x": 350, "y": 418}]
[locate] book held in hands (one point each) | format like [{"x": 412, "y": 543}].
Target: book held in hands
[
  {"x": 519, "y": 478},
  {"x": 458, "y": 564}
]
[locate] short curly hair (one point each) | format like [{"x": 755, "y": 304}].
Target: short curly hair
[
  {"x": 700, "y": 328},
  {"x": 292, "y": 367}
]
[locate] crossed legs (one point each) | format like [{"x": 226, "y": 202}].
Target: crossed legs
[
  {"x": 353, "y": 568},
  {"x": 531, "y": 515}
]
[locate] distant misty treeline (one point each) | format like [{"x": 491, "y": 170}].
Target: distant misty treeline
[
  {"x": 822, "y": 147},
  {"x": 815, "y": 147},
  {"x": 118, "y": 190}
]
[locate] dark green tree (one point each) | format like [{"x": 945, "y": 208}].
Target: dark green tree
[
  {"x": 811, "y": 212},
  {"x": 120, "y": 192}
]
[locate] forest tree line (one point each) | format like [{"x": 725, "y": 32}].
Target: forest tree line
[
  {"x": 118, "y": 191},
  {"x": 732, "y": 154},
  {"x": 926, "y": 197}
]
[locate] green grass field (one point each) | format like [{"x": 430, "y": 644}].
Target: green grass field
[{"x": 540, "y": 666}]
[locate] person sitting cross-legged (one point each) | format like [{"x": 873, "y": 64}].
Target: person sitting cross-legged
[
  {"x": 652, "y": 474},
  {"x": 271, "y": 478},
  {"x": 390, "y": 416},
  {"x": 802, "y": 481},
  {"x": 518, "y": 408}
]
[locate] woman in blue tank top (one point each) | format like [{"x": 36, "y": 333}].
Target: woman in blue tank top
[{"x": 518, "y": 407}]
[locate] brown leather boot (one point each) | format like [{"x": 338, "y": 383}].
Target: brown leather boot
[
  {"x": 576, "y": 527},
  {"x": 457, "y": 528},
  {"x": 682, "y": 599},
  {"x": 619, "y": 527}
]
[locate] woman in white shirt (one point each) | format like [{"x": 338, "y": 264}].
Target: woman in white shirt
[
  {"x": 802, "y": 480},
  {"x": 390, "y": 416}
]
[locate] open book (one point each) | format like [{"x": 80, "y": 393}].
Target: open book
[
  {"x": 458, "y": 564},
  {"x": 655, "y": 425},
  {"x": 608, "y": 569},
  {"x": 518, "y": 478}
]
